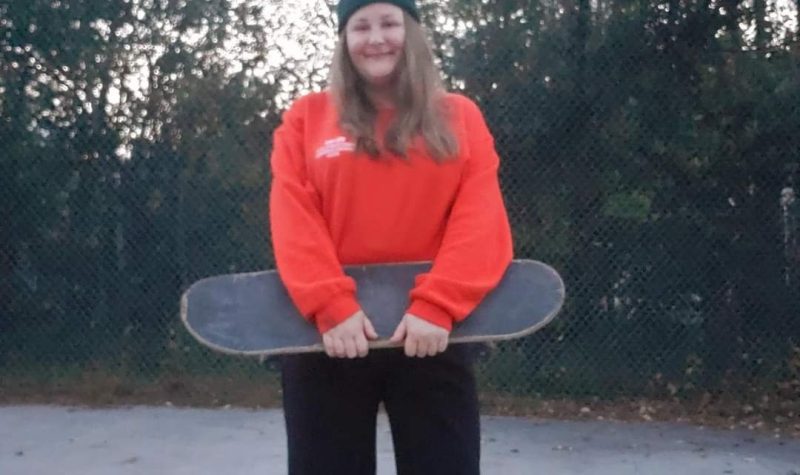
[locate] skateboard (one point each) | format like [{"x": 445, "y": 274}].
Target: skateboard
[{"x": 252, "y": 314}]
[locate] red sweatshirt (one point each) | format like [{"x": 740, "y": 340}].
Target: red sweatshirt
[{"x": 330, "y": 206}]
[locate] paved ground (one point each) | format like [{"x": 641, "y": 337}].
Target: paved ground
[{"x": 140, "y": 440}]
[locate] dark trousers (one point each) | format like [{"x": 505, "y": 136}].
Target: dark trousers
[{"x": 331, "y": 407}]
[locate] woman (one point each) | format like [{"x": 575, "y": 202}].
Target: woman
[{"x": 385, "y": 166}]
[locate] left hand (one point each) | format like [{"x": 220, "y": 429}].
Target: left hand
[{"x": 422, "y": 338}]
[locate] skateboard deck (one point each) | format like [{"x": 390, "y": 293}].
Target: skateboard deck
[{"x": 252, "y": 314}]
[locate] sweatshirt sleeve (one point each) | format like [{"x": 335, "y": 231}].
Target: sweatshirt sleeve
[
  {"x": 476, "y": 248},
  {"x": 304, "y": 252}
]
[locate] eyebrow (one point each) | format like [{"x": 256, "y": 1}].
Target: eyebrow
[{"x": 387, "y": 16}]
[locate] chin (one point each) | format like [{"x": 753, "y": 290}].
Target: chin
[
  {"x": 385, "y": 77},
  {"x": 379, "y": 81},
  {"x": 377, "y": 77}
]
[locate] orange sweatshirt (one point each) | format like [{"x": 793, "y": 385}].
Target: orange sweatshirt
[{"x": 330, "y": 207}]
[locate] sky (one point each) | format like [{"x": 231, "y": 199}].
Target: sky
[{"x": 305, "y": 37}]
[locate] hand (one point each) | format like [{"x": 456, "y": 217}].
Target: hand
[
  {"x": 422, "y": 338},
  {"x": 349, "y": 338}
]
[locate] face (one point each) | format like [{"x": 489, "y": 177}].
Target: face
[{"x": 375, "y": 38}]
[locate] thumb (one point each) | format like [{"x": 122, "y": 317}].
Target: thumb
[
  {"x": 400, "y": 333},
  {"x": 369, "y": 330}
]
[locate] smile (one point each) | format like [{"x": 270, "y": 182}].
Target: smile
[{"x": 378, "y": 55}]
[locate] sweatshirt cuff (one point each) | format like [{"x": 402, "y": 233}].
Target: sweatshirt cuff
[
  {"x": 431, "y": 313},
  {"x": 339, "y": 309}
]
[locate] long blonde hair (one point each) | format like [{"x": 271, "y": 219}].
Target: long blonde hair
[{"x": 418, "y": 96}]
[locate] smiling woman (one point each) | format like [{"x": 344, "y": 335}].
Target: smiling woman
[
  {"x": 385, "y": 166},
  {"x": 375, "y": 38},
  {"x": 383, "y": 60}
]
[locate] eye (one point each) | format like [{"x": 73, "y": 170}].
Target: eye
[{"x": 390, "y": 24}]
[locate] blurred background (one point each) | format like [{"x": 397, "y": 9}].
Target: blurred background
[{"x": 649, "y": 148}]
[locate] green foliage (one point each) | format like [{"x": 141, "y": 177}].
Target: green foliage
[
  {"x": 631, "y": 206},
  {"x": 644, "y": 149}
]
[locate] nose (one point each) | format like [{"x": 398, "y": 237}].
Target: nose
[{"x": 375, "y": 36}]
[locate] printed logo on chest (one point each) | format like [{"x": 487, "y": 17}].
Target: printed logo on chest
[{"x": 332, "y": 148}]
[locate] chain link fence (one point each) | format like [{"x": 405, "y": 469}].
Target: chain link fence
[{"x": 649, "y": 152}]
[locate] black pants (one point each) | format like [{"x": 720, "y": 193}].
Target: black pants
[{"x": 331, "y": 407}]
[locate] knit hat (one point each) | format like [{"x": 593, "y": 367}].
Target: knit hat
[{"x": 346, "y": 8}]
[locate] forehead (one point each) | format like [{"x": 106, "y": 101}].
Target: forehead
[{"x": 377, "y": 11}]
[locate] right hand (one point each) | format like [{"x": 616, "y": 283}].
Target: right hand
[{"x": 349, "y": 338}]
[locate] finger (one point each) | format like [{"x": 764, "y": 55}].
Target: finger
[
  {"x": 422, "y": 348},
  {"x": 411, "y": 346},
  {"x": 443, "y": 344},
  {"x": 361, "y": 346},
  {"x": 369, "y": 330},
  {"x": 328, "y": 344},
  {"x": 351, "y": 350},
  {"x": 338, "y": 348},
  {"x": 400, "y": 333},
  {"x": 433, "y": 347}
]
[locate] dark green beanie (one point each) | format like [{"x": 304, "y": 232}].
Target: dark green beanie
[{"x": 346, "y": 8}]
